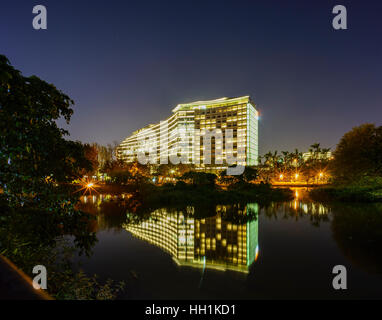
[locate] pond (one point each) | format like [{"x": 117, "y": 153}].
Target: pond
[{"x": 251, "y": 251}]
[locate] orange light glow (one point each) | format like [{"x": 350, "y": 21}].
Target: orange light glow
[
  {"x": 257, "y": 253},
  {"x": 87, "y": 186}
]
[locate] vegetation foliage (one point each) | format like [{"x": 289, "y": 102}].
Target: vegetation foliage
[
  {"x": 356, "y": 168},
  {"x": 37, "y": 165}
]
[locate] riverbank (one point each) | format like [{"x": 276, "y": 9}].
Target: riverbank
[
  {"x": 181, "y": 192},
  {"x": 347, "y": 193},
  {"x": 299, "y": 185}
]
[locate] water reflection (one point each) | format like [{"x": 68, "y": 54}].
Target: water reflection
[
  {"x": 300, "y": 207},
  {"x": 225, "y": 237},
  {"x": 202, "y": 243},
  {"x": 357, "y": 230},
  {"x": 302, "y": 203},
  {"x": 108, "y": 211}
]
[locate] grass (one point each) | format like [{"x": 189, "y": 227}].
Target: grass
[{"x": 355, "y": 192}]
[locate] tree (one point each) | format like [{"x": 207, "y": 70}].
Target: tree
[
  {"x": 358, "y": 154},
  {"x": 199, "y": 178},
  {"x": 170, "y": 170},
  {"x": 106, "y": 154},
  {"x": 225, "y": 179},
  {"x": 271, "y": 166},
  {"x": 37, "y": 163},
  {"x": 91, "y": 154},
  {"x": 250, "y": 174}
]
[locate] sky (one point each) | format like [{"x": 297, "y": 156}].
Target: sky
[{"x": 129, "y": 63}]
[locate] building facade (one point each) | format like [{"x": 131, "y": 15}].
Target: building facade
[{"x": 205, "y": 133}]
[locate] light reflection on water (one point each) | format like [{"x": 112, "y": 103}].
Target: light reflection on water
[
  {"x": 209, "y": 242},
  {"x": 256, "y": 241}
]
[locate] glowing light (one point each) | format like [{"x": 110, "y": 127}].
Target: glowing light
[
  {"x": 296, "y": 176},
  {"x": 87, "y": 186},
  {"x": 281, "y": 176},
  {"x": 321, "y": 174}
]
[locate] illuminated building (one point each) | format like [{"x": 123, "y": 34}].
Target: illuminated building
[
  {"x": 203, "y": 243},
  {"x": 322, "y": 155},
  {"x": 192, "y": 121}
]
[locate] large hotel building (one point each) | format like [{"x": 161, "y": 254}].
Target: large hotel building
[{"x": 190, "y": 122}]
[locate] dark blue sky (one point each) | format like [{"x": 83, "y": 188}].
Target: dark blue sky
[{"x": 128, "y": 63}]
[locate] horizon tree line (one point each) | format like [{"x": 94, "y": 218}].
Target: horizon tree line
[{"x": 273, "y": 167}]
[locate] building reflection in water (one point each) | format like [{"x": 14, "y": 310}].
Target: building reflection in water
[
  {"x": 202, "y": 243},
  {"x": 213, "y": 242}
]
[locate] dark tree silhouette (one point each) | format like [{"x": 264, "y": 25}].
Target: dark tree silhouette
[{"x": 358, "y": 154}]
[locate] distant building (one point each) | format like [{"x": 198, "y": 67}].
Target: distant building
[
  {"x": 193, "y": 121},
  {"x": 323, "y": 155}
]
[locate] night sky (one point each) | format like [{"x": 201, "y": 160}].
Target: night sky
[{"x": 128, "y": 63}]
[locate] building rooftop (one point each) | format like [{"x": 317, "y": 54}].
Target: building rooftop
[
  {"x": 211, "y": 103},
  {"x": 203, "y": 105}
]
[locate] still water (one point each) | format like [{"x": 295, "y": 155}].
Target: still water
[{"x": 251, "y": 251}]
